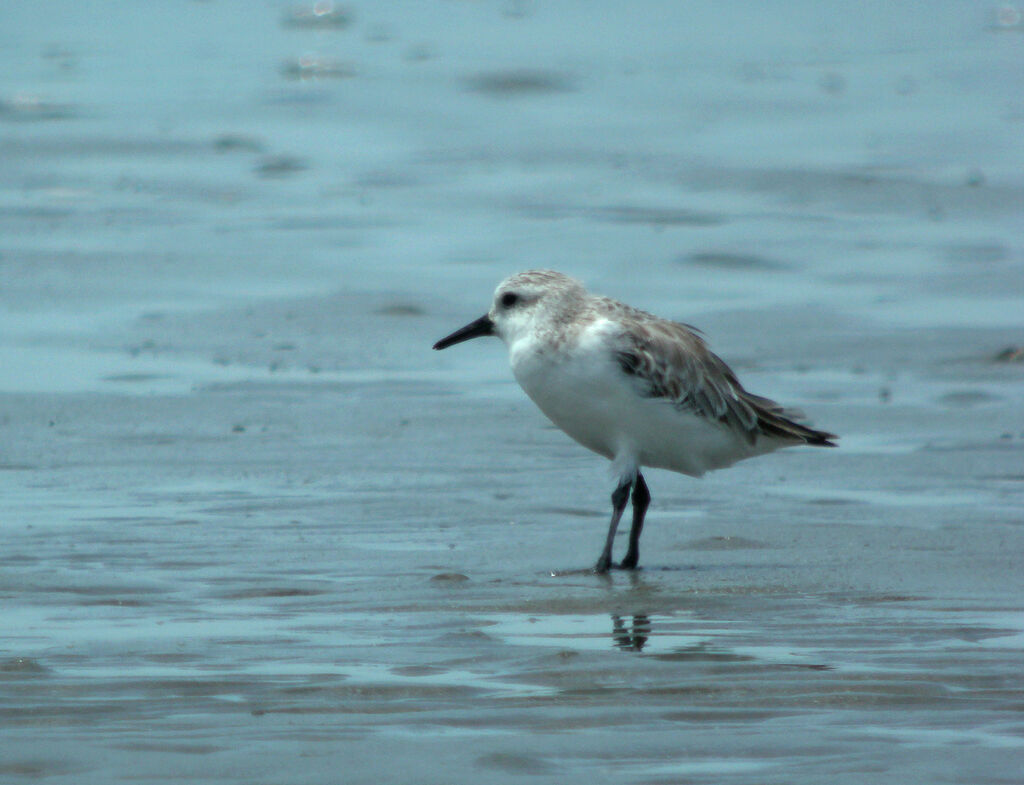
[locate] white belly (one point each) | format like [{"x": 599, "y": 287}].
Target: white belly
[{"x": 594, "y": 402}]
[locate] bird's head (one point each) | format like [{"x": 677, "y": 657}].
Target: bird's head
[{"x": 521, "y": 304}]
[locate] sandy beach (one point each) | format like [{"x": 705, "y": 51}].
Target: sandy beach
[{"x": 255, "y": 530}]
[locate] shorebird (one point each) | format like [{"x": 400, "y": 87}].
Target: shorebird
[{"x": 640, "y": 390}]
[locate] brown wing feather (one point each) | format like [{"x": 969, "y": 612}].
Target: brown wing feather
[{"x": 669, "y": 360}]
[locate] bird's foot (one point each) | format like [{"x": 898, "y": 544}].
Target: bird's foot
[
  {"x": 604, "y": 565},
  {"x": 630, "y": 561},
  {"x": 625, "y": 565}
]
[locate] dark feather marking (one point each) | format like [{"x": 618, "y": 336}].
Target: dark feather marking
[{"x": 670, "y": 361}]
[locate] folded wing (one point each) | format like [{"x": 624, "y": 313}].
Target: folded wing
[{"x": 670, "y": 360}]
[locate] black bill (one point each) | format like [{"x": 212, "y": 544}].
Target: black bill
[{"x": 482, "y": 326}]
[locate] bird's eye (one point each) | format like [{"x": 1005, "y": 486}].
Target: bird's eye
[{"x": 509, "y": 299}]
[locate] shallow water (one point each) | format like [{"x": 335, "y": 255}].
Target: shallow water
[{"x": 255, "y": 530}]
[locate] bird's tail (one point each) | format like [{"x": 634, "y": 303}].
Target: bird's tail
[{"x": 779, "y": 423}]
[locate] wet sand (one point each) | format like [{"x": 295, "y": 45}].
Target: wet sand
[{"x": 256, "y": 531}]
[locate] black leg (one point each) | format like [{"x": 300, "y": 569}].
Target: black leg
[
  {"x": 641, "y": 498},
  {"x": 619, "y": 499}
]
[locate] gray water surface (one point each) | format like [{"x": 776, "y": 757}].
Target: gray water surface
[{"x": 254, "y": 530}]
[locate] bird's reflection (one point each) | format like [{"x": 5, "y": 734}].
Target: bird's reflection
[{"x": 631, "y": 635}]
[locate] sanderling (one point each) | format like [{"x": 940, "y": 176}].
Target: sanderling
[{"x": 639, "y": 390}]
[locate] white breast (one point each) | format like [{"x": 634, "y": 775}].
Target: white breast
[{"x": 583, "y": 390}]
